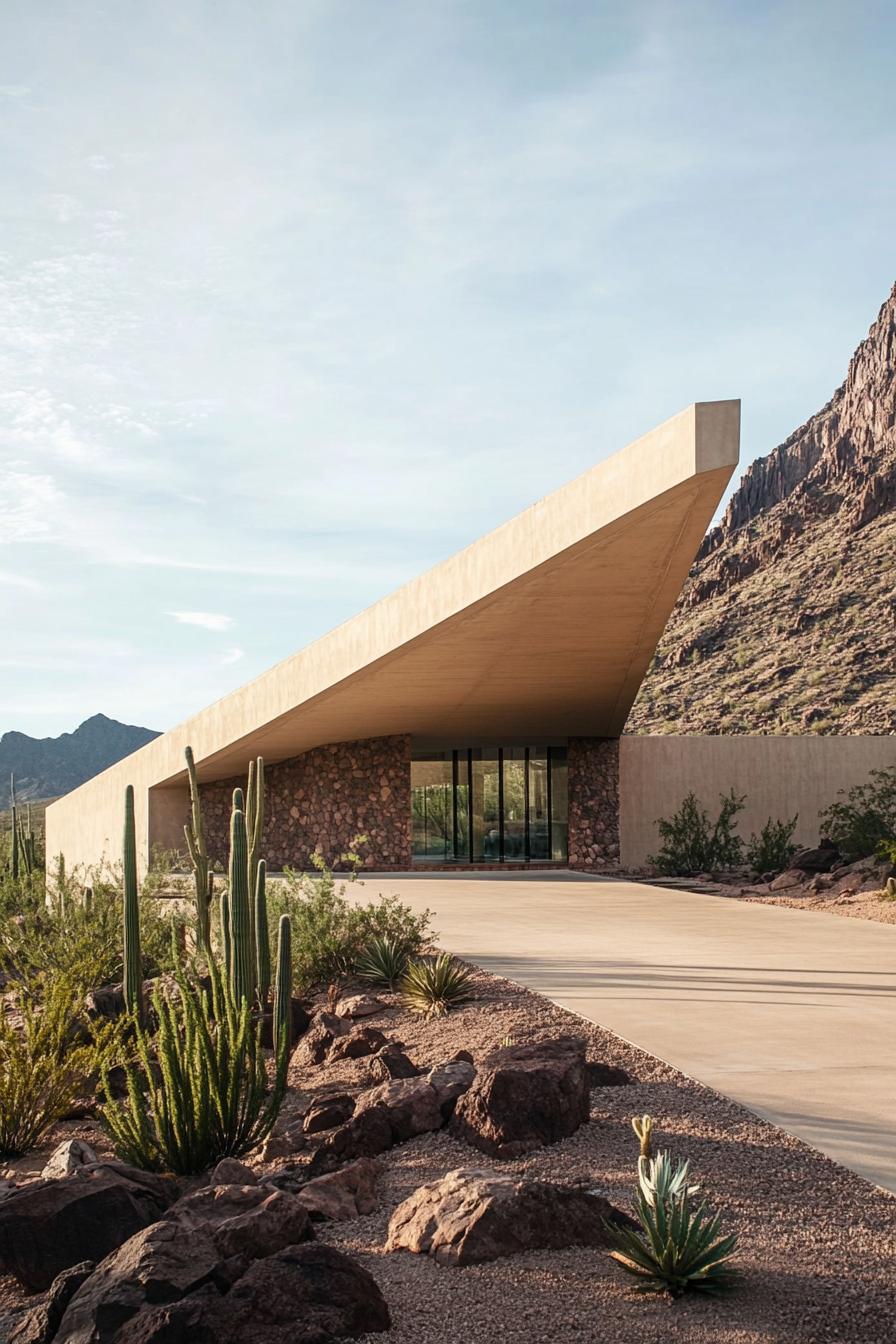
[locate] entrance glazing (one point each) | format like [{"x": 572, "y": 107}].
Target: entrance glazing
[{"x": 489, "y": 805}]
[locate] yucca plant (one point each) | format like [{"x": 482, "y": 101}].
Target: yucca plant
[
  {"x": 200, "y": 1089},
  {"x": 43, "y": 1068},
  {"x": 679, "y": 1248},
  {"x": 435, "y": 985},
  {"x": 383, "y": 962}
]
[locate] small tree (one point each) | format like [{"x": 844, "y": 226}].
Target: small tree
[
  {"x": 772, "y": 849},
  {"x": 692, "y": 844},
  {"x": 867, "y": 817}
]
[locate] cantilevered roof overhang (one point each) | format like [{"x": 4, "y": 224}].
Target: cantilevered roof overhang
[{"x": 540, "y": 630}]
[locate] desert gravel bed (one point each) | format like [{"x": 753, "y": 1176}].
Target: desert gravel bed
[{"x": 818, "y": 1244}]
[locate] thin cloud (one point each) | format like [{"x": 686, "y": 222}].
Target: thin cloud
[
  {"x": 232, "y": 656},
  {"x": 208, "y": 620}
]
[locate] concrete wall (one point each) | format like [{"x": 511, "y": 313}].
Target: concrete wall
[{"x": 780, "y": 776}]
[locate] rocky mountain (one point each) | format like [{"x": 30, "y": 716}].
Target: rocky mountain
[
  {"x": 48, "y": 766},
  {"x": 787, "y": 623}
]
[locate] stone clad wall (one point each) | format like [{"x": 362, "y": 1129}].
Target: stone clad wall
[
  {"x": 593, "y": 802},
  {"x": 324, "y": 798}
]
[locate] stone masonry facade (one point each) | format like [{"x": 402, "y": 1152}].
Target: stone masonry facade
[
  {"x": 593, "y": 802},
  {"x": 320, "y": 801}
]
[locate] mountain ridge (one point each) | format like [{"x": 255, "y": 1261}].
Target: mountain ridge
[{"x": 45, "y": 767}]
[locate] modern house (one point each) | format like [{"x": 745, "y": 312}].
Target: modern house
[{"x": 474, "y": 715}]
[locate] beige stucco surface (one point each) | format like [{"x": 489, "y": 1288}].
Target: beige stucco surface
[
  {"x": 780, "y": 776},
  {"x": 543, "y": 628},
  {"x": 790, "y": 1012}
]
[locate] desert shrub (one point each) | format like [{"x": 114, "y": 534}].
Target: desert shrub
[
  {"x": 886, "y": 851},
  {"x": 435, "y": 985},
  {"x": 199, "y": 1090},
  {"x": 383, "y": 962},
  {"x": 678, "y": 1249},
  {"x": 772, "y": 849},
  {"x": 330, "y": 932},
  {"x": 866, "y": 817},
  {"x": 692, "y": 844},
  {"x": 77, "y": 934},
  {"x": 46, "y": 1058}
]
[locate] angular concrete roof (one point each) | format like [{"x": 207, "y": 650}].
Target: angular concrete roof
[{"x": 543, "y": 628}]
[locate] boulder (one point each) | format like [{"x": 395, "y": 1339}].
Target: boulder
[
  {"x": 392, "y": 1062},
  {"x": 410, "y": 1105},
  {"x": 318, "y": 1040},
  {"x": 791, "y": 877},
  {"x": 47, "y": 1226},
  {"x": 471, "y": 1216},
  {"x": 818, "y": 860},
  {"x": 364, "y": 1135},
  {"x": 245, "y": 1220},
  {"x": 525, "y": 1096},
  {"x": 328, "y": 1112},
  {"x": 359, "y": 1005},
  {"x": 357, "y": 1043},
  {"x": 40, "y": 1325},
  {"x": 347, "y": 1193},
  {"x": 66, "y": 1157},
  {"x": 169, "y": 1285},
  {"x": 230, "y": 1171},
  {"x": 449, "y": 1081}
]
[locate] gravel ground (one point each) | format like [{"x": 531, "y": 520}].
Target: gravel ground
[{"x": 817, "y": 1244}]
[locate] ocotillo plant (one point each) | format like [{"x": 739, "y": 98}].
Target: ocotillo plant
[
  {"x": 242, "y": 958},
  {"x": 195, "y": 837},
  {"x": 282, "y": 1023},
  {"x": 133, "y": 966},
  {"x": 262, "y": 935}
]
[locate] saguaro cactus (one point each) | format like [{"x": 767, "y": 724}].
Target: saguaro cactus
[
  {"x": 282, "y": 1024},
  {"x": 243, "y": 961},
  {"x": 133, "y": 966},
  {"x": 262, "y": 936},
  {"x": 195, "y": 837},
  {"x": 254, "y": 829},
  {"x": 226, "y": 948}
]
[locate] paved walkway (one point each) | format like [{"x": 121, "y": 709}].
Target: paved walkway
[{"x": 790, "y": 1012}]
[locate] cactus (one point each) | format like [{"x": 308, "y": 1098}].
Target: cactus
[
  {"x": 643, "y": 1127},
  {"x": 195, "y": 837},
  {"x": 254, "y": 829},
  {"x": 282, "y": 1023},
  {"x": 890, "y": 889},
  {"x": 242, "y": 959},
  {"x": 133, "y": 967},
  {"x": 14, "y": 828},
  {"x": 226, "y": 950},
  {"x": 262, "y": 936}
]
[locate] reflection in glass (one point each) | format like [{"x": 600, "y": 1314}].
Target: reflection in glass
[
  {"x": 559, "y": 804},
  {"x": 432, "y": 821},
  {"x": 539, "y": 826}
]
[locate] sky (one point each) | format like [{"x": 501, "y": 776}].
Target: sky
[{"x": 298, "y": 297}]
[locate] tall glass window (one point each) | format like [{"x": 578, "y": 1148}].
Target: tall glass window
[{"x": 489, "y": 805}]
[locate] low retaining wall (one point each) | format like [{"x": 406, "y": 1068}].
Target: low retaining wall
[{"x": 780, "y": 776}]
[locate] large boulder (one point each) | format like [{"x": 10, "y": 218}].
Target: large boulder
[
  {"x": 315, "y": 1045},
  {"x": 248, "y": 1220},
  {"x": 365, "y": 1135},
  {"x": 411, "y": 1106},
  {"x": 328, "y": 1112},
  {"x": 170, "y": 1285},
  {"x": 47, "y": 1226},
  {"x": 450, "y": 1081},
  {"x": 471, "y": 1216},
  {"x": 818, "y": 860},
  {"x": 524, "y": 1096},
  {"x": 41, "y": 1323},
  {"x": 347, "y": 1193},
  {"x": 355, "y": 1044}
]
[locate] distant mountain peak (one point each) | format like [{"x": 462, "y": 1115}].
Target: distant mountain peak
[{"x": 49, "y": 766}]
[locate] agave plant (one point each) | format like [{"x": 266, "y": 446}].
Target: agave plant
[
  {"x": 679, "y": 1248},
  {"x": 383, "y": 962},
  {"x": 435, "y": 985}
]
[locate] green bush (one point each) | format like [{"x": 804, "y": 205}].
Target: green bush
[
  {"x": 692, "y": 844},
  {"x": 435, "y": 985},
  {"x": 772, "y": 849},
  {"x": 200, "y": 1090},
  {"x": 886, "y": 851},
  {"x": 866, "y": 818},
  {"x": 383, "y": 962},
  {"x": 46, "y": 1059},
  {"x": 330, "y": 933},
  {"x": 679, "y": 1249}
]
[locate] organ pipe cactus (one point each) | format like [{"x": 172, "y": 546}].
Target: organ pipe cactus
[
  {"x": 254, "y": 828},
  {"x": 226, "y": 949},
  {"x": 262, "y": 936},
  {"x": 282, "y": 1022},
  {"x": 133, "y": 965},
  {"x": 242, "y": 959},
  {"x": 194, "y": 833}
]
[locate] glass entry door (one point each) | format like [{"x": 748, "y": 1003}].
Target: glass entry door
[{"x": 489, "y": 805}]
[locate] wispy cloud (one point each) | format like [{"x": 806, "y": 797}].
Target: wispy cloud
[
  {"x": 232, "y": 656},
  {"x": 208, "y": 620}
]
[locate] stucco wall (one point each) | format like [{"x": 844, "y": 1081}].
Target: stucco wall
[
  {"x": 320, "y": 801},
  {"x": 593, "y": 802},
  {"x": 779, "y": 775}
]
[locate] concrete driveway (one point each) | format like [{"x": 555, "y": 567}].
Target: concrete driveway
[{"x": 790, "y": 1012}]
